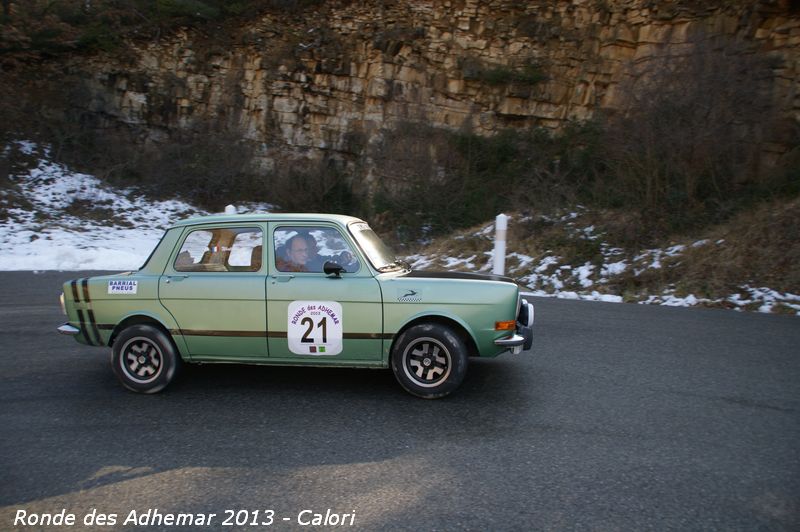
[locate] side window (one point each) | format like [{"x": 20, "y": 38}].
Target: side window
[
  {"x": 307, "y": 249},
  {"x": 226, "y": 249}
]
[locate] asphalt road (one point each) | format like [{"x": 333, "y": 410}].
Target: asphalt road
[{"x": 623, "y": 417}]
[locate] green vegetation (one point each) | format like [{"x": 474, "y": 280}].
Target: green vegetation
[
  {"x": 494, "y": 75},
  {"x": 31, "y": 29},
  {"x": 450, "y": 180},
  {"x": 503, "y": 75}
]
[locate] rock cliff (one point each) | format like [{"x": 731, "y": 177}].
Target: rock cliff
[{"x": 332, "y": 76}]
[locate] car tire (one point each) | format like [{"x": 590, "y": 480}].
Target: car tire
[
  {"x": 429, "y": 360},
  {"x": 144, "y": 359}
]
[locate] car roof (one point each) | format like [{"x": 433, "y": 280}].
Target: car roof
[{"x": 267, "y": 217}]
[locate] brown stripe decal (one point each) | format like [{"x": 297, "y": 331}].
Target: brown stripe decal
[
  {"x": 366, "y": 336},
  {"x": 74, "y": 285},
  {"x": 241, "y": 334},
  {"x": 274, "y": 334}
]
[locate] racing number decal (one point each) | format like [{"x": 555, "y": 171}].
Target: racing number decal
[
  {"x": 314, "y": 327},
  {"x": 322, "y": 324}
]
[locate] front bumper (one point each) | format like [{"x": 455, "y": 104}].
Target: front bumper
[{"x": 522, "y": 339}]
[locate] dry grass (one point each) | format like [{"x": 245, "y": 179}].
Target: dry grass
[{"x": 759, "y": 247}]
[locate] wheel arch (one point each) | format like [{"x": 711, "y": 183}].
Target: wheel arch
[
  {"x": 455, "y": 324},
  {"x": 142, "y": 319}
]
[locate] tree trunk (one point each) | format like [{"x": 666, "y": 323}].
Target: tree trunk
[{"x": 6, "y": 9}]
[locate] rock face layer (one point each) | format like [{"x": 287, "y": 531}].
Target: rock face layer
[{"x": 332, "y": 76}]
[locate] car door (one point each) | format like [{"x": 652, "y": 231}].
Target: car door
[
  {"x": 214, "y": 287},
  {"x": 317, "y": 318}
]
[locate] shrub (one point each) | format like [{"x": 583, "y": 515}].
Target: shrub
[
  {"x": 685, "y": 146},
  {"x": 503, "y": 75},
  {"x": 320, "y": 187},
  {"x": 529, "y": 73},
  {"x": 33, "y": 29}
]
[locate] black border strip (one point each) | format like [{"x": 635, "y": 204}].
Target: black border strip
[{"x": 74, "y": 285}]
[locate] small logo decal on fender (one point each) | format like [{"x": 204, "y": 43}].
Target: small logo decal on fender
[{"x": 409, "y": 296}]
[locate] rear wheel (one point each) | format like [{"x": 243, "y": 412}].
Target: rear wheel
[
  {"x": 144, "y": 359},
  {"x": 429, "y": 360}
]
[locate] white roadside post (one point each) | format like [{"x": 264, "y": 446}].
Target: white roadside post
[
  {"x": 230, "y": 209},
  {"x": 500, "y": 226}
]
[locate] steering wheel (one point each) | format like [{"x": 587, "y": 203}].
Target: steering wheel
[{"x": 346, "y": 259}]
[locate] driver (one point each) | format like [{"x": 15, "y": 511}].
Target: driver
[{"x": 300, "y": 255}]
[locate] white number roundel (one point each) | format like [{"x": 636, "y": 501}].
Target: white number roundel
[{"x": 315, "y": 328}]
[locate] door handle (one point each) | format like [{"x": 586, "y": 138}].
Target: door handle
[
  {"x": 176, "y": 277},
  {"x": 282, "y": 278}
]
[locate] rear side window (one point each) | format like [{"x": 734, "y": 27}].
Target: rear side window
[{"x": 224, "y": 249}]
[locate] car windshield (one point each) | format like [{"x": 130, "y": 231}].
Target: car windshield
[{"x": 381, "y": 257}]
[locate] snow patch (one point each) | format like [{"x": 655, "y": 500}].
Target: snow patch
[{"x": 80, "y": 223}]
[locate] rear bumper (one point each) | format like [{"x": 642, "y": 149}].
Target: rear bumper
[{"x": 68, "y": 329}]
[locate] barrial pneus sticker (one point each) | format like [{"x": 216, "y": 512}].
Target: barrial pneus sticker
[
  {"x": 315, "y": 327},
  {"x": 122, "y": 287}
]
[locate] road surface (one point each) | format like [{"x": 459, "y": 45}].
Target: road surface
[{"x": 622, "y": 417}]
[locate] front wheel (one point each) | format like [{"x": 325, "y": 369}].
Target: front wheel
[
  {"x": 429, "y": 360},
  {"x": 144, "y": 359}
]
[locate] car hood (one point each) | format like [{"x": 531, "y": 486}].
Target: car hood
[{"x": 416, "y": 274}]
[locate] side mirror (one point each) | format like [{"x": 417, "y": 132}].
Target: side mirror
[{"x": 332, "y": 268}]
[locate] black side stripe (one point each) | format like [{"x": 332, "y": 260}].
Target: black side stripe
[
  {"x": 83, "y": 327},
  {"x": 93, "y": 322},
  {"x": 90, "y": 314},
  {"x": 85, "y": 287},
  {"x": 76, "y": 298}
]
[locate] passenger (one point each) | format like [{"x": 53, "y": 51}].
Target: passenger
[{"x": 255, "y": 258}]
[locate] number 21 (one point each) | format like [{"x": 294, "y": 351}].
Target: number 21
[{"x": 323, "y": 324}]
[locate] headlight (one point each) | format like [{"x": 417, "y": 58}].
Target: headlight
[{"x": 63, "y": 308}]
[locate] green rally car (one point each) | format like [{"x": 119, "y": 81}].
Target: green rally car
[{"x": 293, "y": 289}]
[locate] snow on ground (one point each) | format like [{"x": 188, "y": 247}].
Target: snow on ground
[
  {"x": 761, "y": 299},
  {"x": 72, "y": 221},
  {"x": 549, "y": 276},
  {"x": 56, "y": 219}
]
